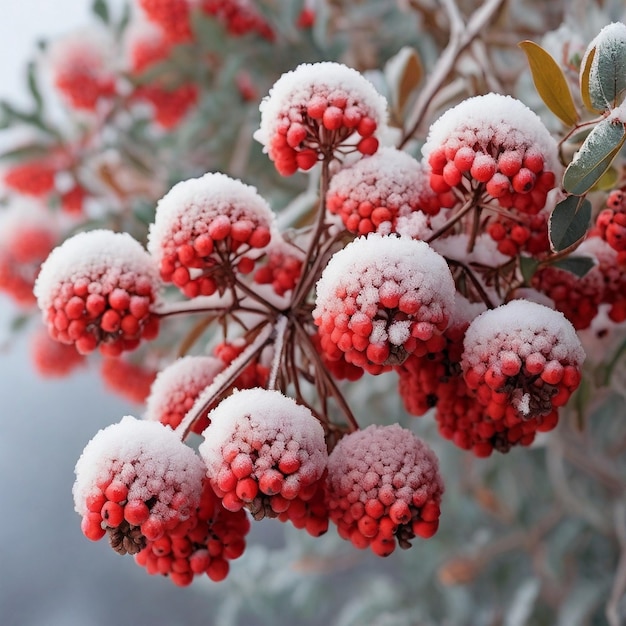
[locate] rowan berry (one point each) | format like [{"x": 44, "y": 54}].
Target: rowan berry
[{"x": 383, "y": 483}]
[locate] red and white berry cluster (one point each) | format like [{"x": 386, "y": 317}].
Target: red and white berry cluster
[
  {"x": 382, "y": 298},
  {"x": 263, "y": 451},
  {"x": 316, "y": 109},
  {"x": 207, "y": 227},
  {"x": 98, "y": 289},
  {"x": 383, "y": 488}
]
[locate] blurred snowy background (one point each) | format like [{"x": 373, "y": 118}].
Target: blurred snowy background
[{"x": 50, "y": 575}]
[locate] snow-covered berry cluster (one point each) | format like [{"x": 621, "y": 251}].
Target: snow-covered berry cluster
[
  {"x": 384, "y": 488},
  {"x": 205, "y": 229},
  {"x": 262, "y": 451},
  {"x": 98, "y": 289},
  {"x": 381, "y": 299},
  {"x": 316, "y": 110}
]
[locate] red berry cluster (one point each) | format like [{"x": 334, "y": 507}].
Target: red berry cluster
[
  {"x": 31, "y": 178},
  {"x": 610, "y": 223},
  {"x": 372, "y": 193},
  {"x": 127, "y": 379},
  {"x": 240, "y": 17},
  {"x": 282, "y": 267},
  {"x": 381, "y": 299},
  {"x": 136, "y": 481},
  {"x": 98, "y": 289},
  {"x": 170, "y": 105},
  {"x": 51, "y": 358},
  {"x": 521, "y": 233},
  {"x": 522, "y": 361},
  {"x": 172, "y": 16},
  {"x": 177, "y": 388},
  {"x": 263, "y": 451},
  {"x": 205, "y": 228},
  {"x": 315, "y": 110},
  {"x": 202, "y": 544},
  {"x": 383, "y": 488},
  {"x": 496, "y": 144}
]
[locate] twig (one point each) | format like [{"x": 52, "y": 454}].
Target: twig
[{"x": 461, "y": 35}]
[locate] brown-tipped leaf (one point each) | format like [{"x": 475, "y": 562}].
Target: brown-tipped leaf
[
  {"x": 585, "y": 71},
  {"x": 404, "y": 72},
  {"x": 550, "y": 82}
]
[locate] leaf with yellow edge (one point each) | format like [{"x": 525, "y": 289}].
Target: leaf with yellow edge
[
  {"x": 403, "y": 72},
  {"x": 550, "y": 82},
  {"x": 585, "y": 72}
]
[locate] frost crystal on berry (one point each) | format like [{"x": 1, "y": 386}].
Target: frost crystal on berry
[
  {"x": 371, "y": 194},
  {"x": 262, "y": 451},
  {"x": 383, "y": 487},
  {"x": 205, "y": 229},
  {"x": 315, "y": 109},
  {"x": 136, "y": 480},
  {"x": 98, "y": 289},
  {"x": 178, "y": 386},
  {"x": 382, "y": 298},
  {"x": 522, "y": 360}
]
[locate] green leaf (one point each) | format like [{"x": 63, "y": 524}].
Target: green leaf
[
  {"x": 528, "y": 266},
  {"x": 569, "y": 222},
  {"x": 594, "y": 157},
  {"x": 577, "y": 265},
  {"x": 101, "y": 9},
  {"x": 26, "y": 151},
  {"x": 608, "y": 180},
  {"x": 33, "y": 87},
  {"x": 550, "y": 83},
  {"x": 611, "y": 70}
]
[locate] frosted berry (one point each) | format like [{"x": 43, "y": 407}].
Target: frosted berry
[
  {"x": 262, "y": 451},
  {"x": 318, "y": 109},
  {"x": 204, "y": 227},
  {"x": 522, "y": 360},
  {"x": 137, "y": 481},
  {"x": 202, "y": 544},
  {"x": 383, "y": 488},
  {"x": 98, "y": 289},
  {"x": 239, "y": 17},
  {"x": 382, "y": 298},
  {"x": 282, "y": 267},
  {"x": 170, "y": 105},
  {"x": 372, "y": 193},
  {"x": 178, "y": 386}
]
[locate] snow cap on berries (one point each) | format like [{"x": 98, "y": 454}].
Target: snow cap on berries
[
  {"x": 382, "y": 298},
  {"x": 262, "y": 450},
  {"x": 383, "y": 486},
  {"x": 135, "y": 479},
  {"x": 178, "y": 386},
  {"x": 522, "y": 353},
  {"x": 99, "y": 288},
  {"x": 371, "y": 194},
  {"x": 503, "y": 121},
  {"x": 316, "y": 96},
  {"x": 195, "y": 220}
]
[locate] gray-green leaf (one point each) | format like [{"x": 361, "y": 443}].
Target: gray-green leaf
[{"x": 569, "y": 222}]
